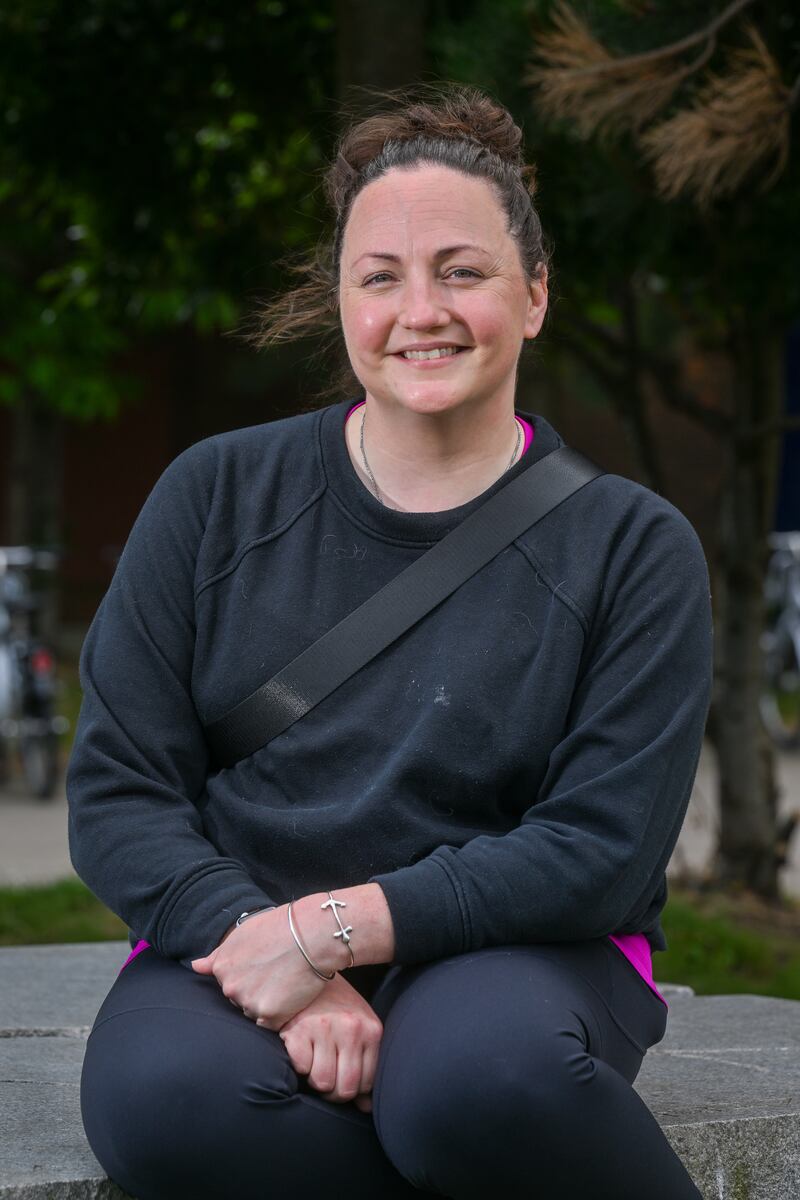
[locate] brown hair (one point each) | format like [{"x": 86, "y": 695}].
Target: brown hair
[{"x": 446, "y": 124}]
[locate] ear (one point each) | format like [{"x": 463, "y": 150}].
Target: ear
[{"x": 537, "y": 304}]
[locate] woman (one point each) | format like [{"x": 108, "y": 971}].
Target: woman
[{"x": 406, "y": 946}]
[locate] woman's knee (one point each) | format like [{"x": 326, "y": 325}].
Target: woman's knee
[
  {"x": 471, "y": 1087},
  {"x": 163, "y": 1091},
  {"x": 474, "y": 1083}
]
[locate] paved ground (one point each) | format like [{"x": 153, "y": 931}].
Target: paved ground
[{"x": 33, "y": 833}]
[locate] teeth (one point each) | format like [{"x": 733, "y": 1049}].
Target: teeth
[{"x": 445, "y": 352}]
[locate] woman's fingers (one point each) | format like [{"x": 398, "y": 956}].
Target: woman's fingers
[
  {"x": 344, "y": 1036},
  {"x": 337, "y": 1070},
  {"x": 323, "y": 1073},
  {"x": 300, "y": 1051},
  {"x": 369, "y": 1067}
]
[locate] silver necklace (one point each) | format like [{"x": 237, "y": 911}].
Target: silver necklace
[{"x": 372, "y": 477}]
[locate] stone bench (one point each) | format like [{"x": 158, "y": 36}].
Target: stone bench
[{"x": 724, "y": 1083}]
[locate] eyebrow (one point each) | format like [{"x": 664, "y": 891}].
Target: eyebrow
[{"x": 443, "y": 253}]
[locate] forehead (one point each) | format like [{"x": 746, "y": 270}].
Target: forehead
[{"x": 422, "y": 204}]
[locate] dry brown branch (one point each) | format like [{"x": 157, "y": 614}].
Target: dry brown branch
[
  {"x": 739, "y": 121},
  {"x": 570, "y": 84},
  {"x": 578, "y": 78}
]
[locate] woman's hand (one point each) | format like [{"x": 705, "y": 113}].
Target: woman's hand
[
  {"x": 335, "y": 1041},
  {"x": 261, "y": 970}
]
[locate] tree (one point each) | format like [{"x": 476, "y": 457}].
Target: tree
[
  {"x": 663, "y": 137},
  {"x": 157, "y": 160}
]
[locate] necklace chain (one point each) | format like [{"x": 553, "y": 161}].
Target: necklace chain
[{"x": 372, "y": 477}]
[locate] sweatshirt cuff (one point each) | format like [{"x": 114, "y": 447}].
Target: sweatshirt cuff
[
  {"x": 428, "y": 918},
  {"x": 200, "y": 916}
]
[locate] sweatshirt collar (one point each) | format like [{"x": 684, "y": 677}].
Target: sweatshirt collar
[{"x": 410, "y": 526}]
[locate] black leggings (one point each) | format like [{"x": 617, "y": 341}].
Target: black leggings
[{"x": 503, "y": 1072}]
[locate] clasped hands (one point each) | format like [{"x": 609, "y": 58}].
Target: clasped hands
[{"x": 330, "y": 1032}]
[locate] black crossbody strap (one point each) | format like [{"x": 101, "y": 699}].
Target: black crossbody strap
[{"x": 398, "y": 605}]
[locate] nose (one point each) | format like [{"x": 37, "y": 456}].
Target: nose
[{"x": 422, "y": 304}]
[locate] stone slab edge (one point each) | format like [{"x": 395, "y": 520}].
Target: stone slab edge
[
  {"x": 65, "y": 1189},
  {"x": 749, "y": 1158}
]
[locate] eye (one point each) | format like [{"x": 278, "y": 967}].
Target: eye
[{"x": 385, "y": 274}]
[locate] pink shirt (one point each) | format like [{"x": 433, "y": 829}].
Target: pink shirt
[{"x": 634, "y": 946}]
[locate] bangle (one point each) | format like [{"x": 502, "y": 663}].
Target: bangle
[
  {"x": 342, "y": 932},
  {"x": 253, "y": 911},
  {"x": 301, "y": 949}
]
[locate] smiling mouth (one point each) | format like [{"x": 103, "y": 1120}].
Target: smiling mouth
[{"x": 431, "y": 356}]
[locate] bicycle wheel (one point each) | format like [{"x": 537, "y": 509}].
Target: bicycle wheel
[
  {"x": 5, "y": 763},
  {"x": 39, "y": 757},
  {"x": 780, "y": 696}
]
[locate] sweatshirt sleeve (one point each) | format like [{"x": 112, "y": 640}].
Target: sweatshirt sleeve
[
  {"x": 593, "y": 847},
  {"x": 140, "y": 759}
]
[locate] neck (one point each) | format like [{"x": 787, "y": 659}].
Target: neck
[{"x": 431, "y": 462}]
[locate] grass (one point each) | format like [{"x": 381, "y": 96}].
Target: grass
[
  {"x": 718, "y": 943},
  {"x": 58, "y": 912},
  {"x": 724, "y": 943}
]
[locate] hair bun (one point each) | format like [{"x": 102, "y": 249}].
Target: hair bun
[{"x": 435, "y": 110}]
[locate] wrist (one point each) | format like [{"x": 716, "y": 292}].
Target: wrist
[
  {"x": 246, "y": 916},
  {"x": 365, "y": 909},
  {"x": 315, "y": 928}
]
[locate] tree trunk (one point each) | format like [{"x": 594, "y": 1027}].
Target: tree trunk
[
  {"x": 380, "y": 45},
  {"x": 747, "y": 797}
]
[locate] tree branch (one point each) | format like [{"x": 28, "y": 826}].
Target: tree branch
[
  {"x": 662, "y": 372},
  {"x": 766, "y": 429},
  {"x": 611, "y": 380},
  {"x": 664, "y": 375},
  {"x": 708, "y": 32},
  {"x": 592, "y": 329}
]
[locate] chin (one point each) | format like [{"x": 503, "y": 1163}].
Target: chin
[{"x": 423, "y": 401}]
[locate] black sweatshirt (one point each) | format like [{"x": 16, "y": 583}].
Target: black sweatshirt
[{"x": 515, "y": 768}]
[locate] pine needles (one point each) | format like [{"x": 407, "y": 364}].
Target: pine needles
[{"x": 735, "y": 124}]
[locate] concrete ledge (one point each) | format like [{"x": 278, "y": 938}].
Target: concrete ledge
[
  {"x": 49, "y": 996},
  {"x": 724, "y": 1084}
]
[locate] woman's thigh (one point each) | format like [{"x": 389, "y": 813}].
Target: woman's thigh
[
  {"x": 509, "y": 1070},
  {"x": 181, "y": 1094}
]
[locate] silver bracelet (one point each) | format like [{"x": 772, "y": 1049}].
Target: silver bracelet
[
  {"x": 243, "y": 916},
  {"x": 343, "y": 932},
  {"x": 302, "y": 950}
]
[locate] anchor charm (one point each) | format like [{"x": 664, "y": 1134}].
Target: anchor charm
[{"x": 344, "y": 931}]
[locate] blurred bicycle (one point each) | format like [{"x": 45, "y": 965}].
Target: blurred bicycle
[
  {"x": 780, "y": 642},
  {"x": 28, "y": 683}
]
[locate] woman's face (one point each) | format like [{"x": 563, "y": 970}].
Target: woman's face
[{"x": 427, "y": 262}]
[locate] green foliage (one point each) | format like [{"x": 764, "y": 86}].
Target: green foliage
[
  {"x": 156, "y": 161},
  {"x": 714, "y": 950},
  {"x": 59, "y": 912}
]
